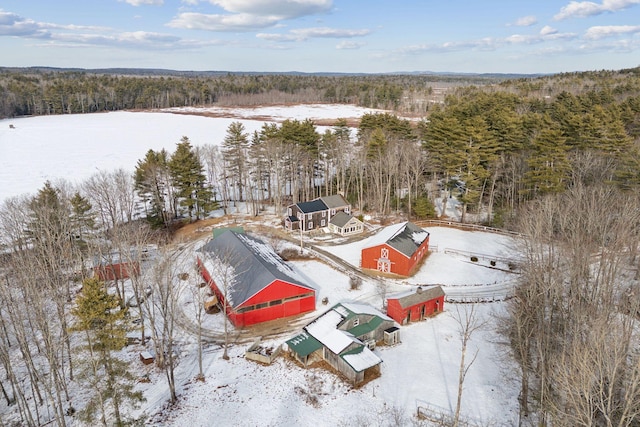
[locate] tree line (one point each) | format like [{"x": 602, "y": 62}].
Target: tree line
[
  {"x": 26, "y": 92},
  {"x": 560, "y": 166}
]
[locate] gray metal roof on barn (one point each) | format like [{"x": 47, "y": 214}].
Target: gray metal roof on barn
[
  {"x": 312, "y": 206},
  {"x": 417, "y": 296},
  {"x": 334, "y": 201},
  {"x": 255, "y": 265},
  {"x": 406, "y": 238}
]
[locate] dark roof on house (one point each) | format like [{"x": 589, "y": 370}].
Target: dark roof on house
[
  {"x": 334, "y": 201},
  {"x": 340, "y": 219},
  {"x": 254, "y": 265},
  {"x": 417, "y": 296},
  {"x": 408, "y": 239},
  {"x": 312, "y": 206}
]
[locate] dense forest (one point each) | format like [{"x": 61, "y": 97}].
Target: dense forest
[
  {"x": 49, "y": 91},
  {"x": 556, "y": 158}
]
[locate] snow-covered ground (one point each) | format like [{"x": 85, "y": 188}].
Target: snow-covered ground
[
  {"x": 421, "y": 371},
  {"x": 76, "y": 146},
  {"x": 279, "y": 113}
]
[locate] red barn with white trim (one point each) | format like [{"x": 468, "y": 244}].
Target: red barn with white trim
[
  {"x": 252, "y": 280},
  {"x": 415, "y": 305},
  {"x": 396, "y": 249}
]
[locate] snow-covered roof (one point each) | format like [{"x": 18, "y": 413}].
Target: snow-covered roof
[
  {"x": 357, "y": 308},
  {"x": 361, "y": 358},
  {"x": 405, "y": 237},
  {"x": 325, "y": 329},
  {"x": 247, "y": 265}
]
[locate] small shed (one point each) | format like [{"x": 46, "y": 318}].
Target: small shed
[
  {"x": 416, "y": 304},
  {"x": 113, "y": 266},
  {"x": 146, "y": 357}
]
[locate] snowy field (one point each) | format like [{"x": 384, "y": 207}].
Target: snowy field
[
  {"x": 74, "y": 147},
  {"x": 421, "y": 371}
]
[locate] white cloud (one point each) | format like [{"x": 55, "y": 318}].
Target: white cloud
[
  {"x": 238, "y": 22},
  {"x": 525, "y": 21},
  {"x": 285, "y": 9},
  {"x": 599, "y": 32},
  {"x": 349, "y": 45},
  {"x": 319, "y": 32},
  {"x": 587, "y": 8},
  {"x": 547, "y": 30},
  {"x": 144, "y": 2},
  {"x": 249, "y": 15},
  {"x": 15, "y": 25}
]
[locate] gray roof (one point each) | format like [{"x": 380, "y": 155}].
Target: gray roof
[
  {"x": 334, "y": 201},
  {"x": 312, "y": 206},
  {"x": 408, "y": 239},
  {"x": 255, "y": 265},
  {"x": 408, "y": 299},
  {"x": 340, "y": 219}
]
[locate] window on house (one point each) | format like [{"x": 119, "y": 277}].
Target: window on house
[
  {"x": 309, "y": 216},
  {"x": 310, "y": 225},
  {"x": 289, "y": 212},
  {"x": 356, "y": 322},
  {"x": 262, "y": 305},
  {"x": 322, "y": 223},
  {"x": 324, "y": 213}
]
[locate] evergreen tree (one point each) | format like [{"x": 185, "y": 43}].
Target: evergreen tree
[
  {"x": 235, "y": 150},
  {"x": 151, "y": 182},
  {"x": 99, "y": 316},
  {"x": 187, "y": 173},
  {"x": 548, "y": 163}
]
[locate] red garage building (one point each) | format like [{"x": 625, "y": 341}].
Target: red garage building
[
  {"x": 416, "y": 304},
  {"x": 113, "y": 267},
  {"x": 252, "y": 280},
  {"x": 396, "y": 249}
]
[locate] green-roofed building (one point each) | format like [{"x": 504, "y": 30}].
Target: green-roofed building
[{"x": 345, "y": 337}]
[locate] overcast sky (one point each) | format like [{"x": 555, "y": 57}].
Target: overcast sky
[{"x": 371, "y": 36}]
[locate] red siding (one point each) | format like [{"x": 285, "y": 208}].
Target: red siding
[
  {"x": 400, "y": 263},
  {"x": 300, "y": 300},
  {"x": 401, "y": 315},
  {"x": 119, "y": 271}
]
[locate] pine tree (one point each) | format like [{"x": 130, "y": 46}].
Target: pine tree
[
  {"x": 235, "y": 149},
  {"x": 187, "y": 173},
  {"x": 99, "y": 316},
  {"x": 548, "y": 163},
  {"x": 151, "y": 182}
]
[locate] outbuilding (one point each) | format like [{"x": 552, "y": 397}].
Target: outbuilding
[
  {"x": 396, "y": 249},
  {"x": 345, "y": 337},
  {"x": 111, "y": 267},
  {"x": 251, "y": 280},
  {"x": 415, "y": 304}
]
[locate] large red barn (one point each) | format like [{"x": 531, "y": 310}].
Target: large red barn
[
  {"x": 415, "y": 305},
  {"x": 252, "y": 280},
  {"x": 396, "y": 249}
]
